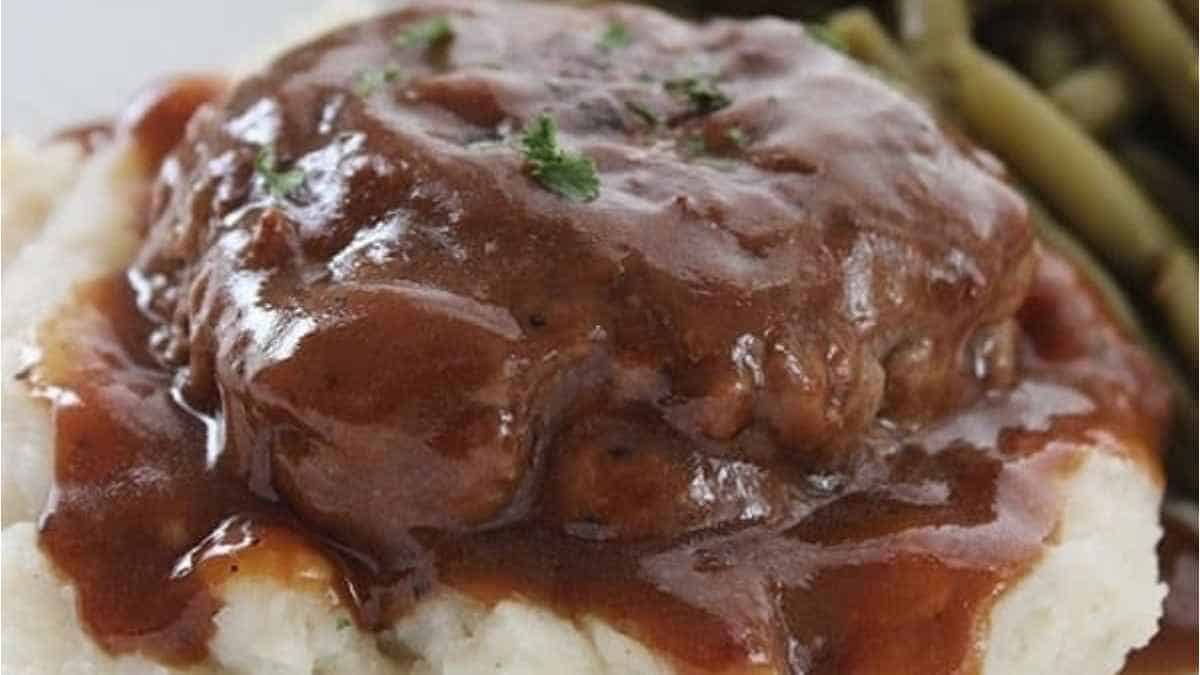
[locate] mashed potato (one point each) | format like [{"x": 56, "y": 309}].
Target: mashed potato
[{"x": 1092, "y": 596}]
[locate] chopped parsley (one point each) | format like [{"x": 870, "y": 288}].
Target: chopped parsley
[
  {"x": 616, "y": 36},
  {"x": 430, "y": 33},
  {"x": 737, "y": 136},
  {"x": 343, "y": 623},
  {"x": 368, "y": 80},
  {"x": 279, "y": 183},
  {"x": 822, "y": 34},
  {"x": 701, "y": 92},
  {"x": 645, "y": 114},
  {"x": 569, "y": 174}
]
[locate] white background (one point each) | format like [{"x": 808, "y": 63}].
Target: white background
[{"x": 68, "y": 61}]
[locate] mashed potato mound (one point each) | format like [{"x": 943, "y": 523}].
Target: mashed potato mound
[
  {"x": 34, "y": 178},
  {"x": 1093, "y": 595}
]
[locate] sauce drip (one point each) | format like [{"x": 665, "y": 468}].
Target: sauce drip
[{"x": 805, "y": 406}]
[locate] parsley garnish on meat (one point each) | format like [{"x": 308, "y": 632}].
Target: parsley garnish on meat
[
  {"x": 569, "y": 174},
  {"x": 279, "y": 183},
  {"x": 615, "y": 37},
  {"x": 701, "y": 92},
  {"x": 737, "y": 136},
  {"x": 368, "y": 80},
  {"x": 430, "y": 33}
]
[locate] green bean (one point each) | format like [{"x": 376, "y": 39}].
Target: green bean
[
  {"x": 1174, "y": 291},
  {"x": 933, "y": 22},
  {"x": 1097, "y": 97},
  {"x": 927, "y": 29},
  {"x": 1157, "y": 42},
  {"x": 1163, "y": 179},
  {"x": 869, "y": 42},
  {"x": 1078, "y": 177},
  {"x": 1066, "y": 166}
]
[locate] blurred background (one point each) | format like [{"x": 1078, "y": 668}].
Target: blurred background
[{"x": 64, "y": 61}]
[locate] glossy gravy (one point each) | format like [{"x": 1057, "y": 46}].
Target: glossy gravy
[{"x": 799, "y": 400}]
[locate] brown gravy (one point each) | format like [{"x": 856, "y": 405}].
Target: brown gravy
[
  {"x": 155, "y": 117},
  {"x": 602, "y": 406},
  {"x": 87, "y": 137}
]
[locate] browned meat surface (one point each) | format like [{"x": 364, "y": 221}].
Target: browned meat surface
[
  {"x": 731, "y": 402},
  {"x": 421, "y": 306}
]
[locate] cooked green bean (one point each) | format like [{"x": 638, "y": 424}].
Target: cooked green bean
[
  {"x": 1157, "y": 42},
  {"x": 1097, "y": 97},
  {"x": 1079, "y": 178},
  {"x": 1070, "y": 169},
  {"x": 930, "y": 25},
  {"x": 1163, "y": 179},
  {"x": 1174, "y": 291},
  {"x": 868, "y": 41},
  {"x": 928, "y": 28}
]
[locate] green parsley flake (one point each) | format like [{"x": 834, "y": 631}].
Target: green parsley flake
[
  {"x": 569, "y": 174},
  {"x": 701, "y": 92},
  {"x": 343, "y": 623},
  {"x": 822, "y": 34},
  {"x": 369, "y": 80},
  {"x": 645, "y": 114},
  {"x": 427, "y": 34},
  {"x": 737, "y": 136},
  {"x": 616, "y": 36},
  {"x": 279, "y": 183}
]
